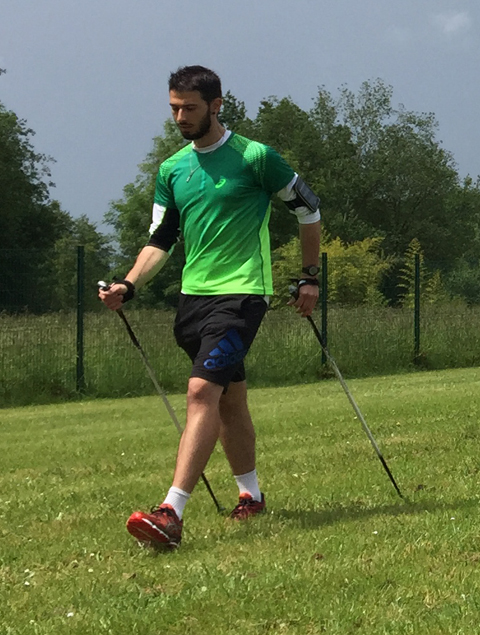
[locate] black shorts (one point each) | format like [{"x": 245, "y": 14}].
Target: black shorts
[{"x": 216, "y": 332}]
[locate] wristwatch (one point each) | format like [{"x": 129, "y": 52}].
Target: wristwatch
[{"x": 311, "y": 270}]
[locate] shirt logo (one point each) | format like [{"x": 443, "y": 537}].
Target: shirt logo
[{"x": 220, "y": 184}]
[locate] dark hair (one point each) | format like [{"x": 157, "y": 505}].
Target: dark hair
[{"x": 189, "y": 78}]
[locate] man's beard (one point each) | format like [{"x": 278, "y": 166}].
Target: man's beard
[{"x": 203, "y": 128}]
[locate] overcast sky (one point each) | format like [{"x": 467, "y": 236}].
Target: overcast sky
[{"x": 90, "y": 77}]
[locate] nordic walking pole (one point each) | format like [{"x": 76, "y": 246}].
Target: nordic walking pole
[
  {"x": 103, "y": 285},
  {"x": 293, "y": 292}
]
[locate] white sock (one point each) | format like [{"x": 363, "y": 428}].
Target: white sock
[
  {"x": 248, "y": 484},
  {"x": 177, "y": 498}
]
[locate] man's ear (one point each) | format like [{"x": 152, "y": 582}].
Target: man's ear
[{"x": 215, "y": 105}]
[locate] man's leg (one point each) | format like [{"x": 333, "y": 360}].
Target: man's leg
[
  {"x": 163, "y": 526},
  {"x": 237, "y": 435},
  {"x": 201, "y": 432},
  {"x": 236, "y": 430}
]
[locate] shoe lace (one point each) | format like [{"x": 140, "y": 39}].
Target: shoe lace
[
  {"x": 244, "y": 502},
  {"x": 162, "y": 510}
]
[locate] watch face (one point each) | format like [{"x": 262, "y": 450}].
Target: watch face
[{"x": 312, "y": 271}]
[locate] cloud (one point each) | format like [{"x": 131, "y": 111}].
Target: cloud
[{"x": 452, "y": 23}]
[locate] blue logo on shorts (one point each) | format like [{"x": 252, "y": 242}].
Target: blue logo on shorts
[{"x": 230, "y": 350}]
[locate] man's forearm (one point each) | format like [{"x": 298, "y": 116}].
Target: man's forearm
[
  {"x": 149, "y": 262},
  {"x": 310, "y": 243}
]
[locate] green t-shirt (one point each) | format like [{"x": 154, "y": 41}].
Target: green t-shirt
[{"x": 223, "y": 200}]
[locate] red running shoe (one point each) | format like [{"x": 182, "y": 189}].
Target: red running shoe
[
  {"x": 160, "y": 528},
  {"x": 248, "y": 507}
]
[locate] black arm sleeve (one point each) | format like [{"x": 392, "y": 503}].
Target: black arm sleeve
[{"x": 168, "y": 232}]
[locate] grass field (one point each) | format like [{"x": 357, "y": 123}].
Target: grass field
[{"x": 338, "y": 551}]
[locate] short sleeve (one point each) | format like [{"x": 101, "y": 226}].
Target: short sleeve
[
  {"x": 277, "y": 172},
  {"x": 163, "y": 193}
]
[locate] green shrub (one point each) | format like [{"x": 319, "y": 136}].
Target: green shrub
[{"x": 355, "y": 271}]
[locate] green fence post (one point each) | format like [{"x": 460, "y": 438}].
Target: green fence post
[
  {"x": 416, "y": 311},
  {"x": 324, "y": 303},
  {"x": 80, "y": 315}
]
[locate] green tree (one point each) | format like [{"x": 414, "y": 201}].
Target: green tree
[
  {"x": 30, "y": 222},
  {"x": 399, "y": 180},
  {"x": 379, "y": 170},
  {"x": 338, "y": 172},
  {"x": 288, "y": 129},
  {"x": 63, "y": 264},
  {"x": 233, "y": 114},
  {"x": 392, "y": 178},
  {"x": 37, "y": 275}
]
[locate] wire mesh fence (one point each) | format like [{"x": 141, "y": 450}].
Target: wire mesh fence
[{"x": 63, "y": 354}]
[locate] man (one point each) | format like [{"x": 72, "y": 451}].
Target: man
[{"x": 215, "y": 192}]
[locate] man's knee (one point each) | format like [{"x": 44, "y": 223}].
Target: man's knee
[{"x": 203, "y": 392}]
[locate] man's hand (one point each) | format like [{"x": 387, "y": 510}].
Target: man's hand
[
  {"x": 113, "y": 296},
  {"x": 305, "y": 300}
]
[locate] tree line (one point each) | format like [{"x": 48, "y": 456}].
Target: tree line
[
  {"x": 388, "y": 189},
  {"x": 37, "y": 250}
]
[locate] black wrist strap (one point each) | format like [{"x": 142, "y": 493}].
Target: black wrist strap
[
  {"x": 130, "y": 289},
  {"x": 313, "y": 282}
]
